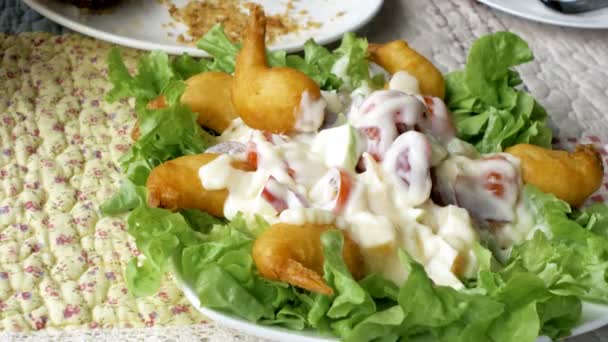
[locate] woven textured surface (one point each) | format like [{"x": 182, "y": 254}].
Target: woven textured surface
[
  {"x": 15, "y": 17},
  {"x": 61, "y": 264}
]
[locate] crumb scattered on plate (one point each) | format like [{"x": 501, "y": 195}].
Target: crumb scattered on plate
[{"x": 200, "y": 16}]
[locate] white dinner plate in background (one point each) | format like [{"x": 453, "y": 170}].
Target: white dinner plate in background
[
  {"x": 535, "y": 10},
  {"x": 141, "y": 24}
]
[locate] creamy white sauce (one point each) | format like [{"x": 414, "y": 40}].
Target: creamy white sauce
[
  {"x": 302, "y": 179},
  {"x": 336, "y": 101},
  {"x": 311, "y": 113},
  {"x": 488, "y": 187},
  {"x": 404, "y": 82}
]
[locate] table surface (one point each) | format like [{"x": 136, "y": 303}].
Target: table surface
[{"x": 569, "y": 77}]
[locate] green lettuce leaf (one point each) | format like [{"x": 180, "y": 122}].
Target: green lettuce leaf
[
  {"x": 351, "y": 65},
  {"x": 594, "y": 218},
  {"x": 318, "y": 63},
  {"x": 128, "y": 197},
  {"x": 159, "y": 234},
  {"x": 489, "y": 111},
  {"x": 154, "y": 74},
  {"x": 488, "y": 63},
  {"x": 570, "y": 258},
  {"x": 142, "y": 280},
  {"x": 216, "y": 43},
  {"x": 165, "y": 133},
  {"x": 186, "y": 66},
  {"x": 224, "y": 51}
]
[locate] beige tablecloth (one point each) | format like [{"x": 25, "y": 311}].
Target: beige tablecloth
[{"x": 569, "y": 77}]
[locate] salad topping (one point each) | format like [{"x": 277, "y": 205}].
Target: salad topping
[{"x": 371, "y": 176}]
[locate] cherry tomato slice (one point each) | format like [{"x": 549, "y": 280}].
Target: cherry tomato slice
[
  {"x": 252, "y": 155},
  {"x": 344, "y": 191},
  {"x": 272, "y": 194},
  {"x": 333, "y": 190}
]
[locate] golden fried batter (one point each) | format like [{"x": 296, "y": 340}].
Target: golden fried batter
[
  {"x": 267, "y": 99},
  {"x": 209, "y": 95},
  {"x": 571, "y": 176},
  {"x": 175, "y": 185},
  {"x": 398, "y": 56},
  {"x": 294, "y": 254}
]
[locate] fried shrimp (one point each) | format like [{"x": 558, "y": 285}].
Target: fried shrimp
[
  {"x": 277, "y": 100},
  {"x": 209, "y": 95},
  {"x": 175, "y": 185},
  {"x": 398, "y": 56},
  {"x": 571, "y": 176},
  {"x": 294, "y": 254}
]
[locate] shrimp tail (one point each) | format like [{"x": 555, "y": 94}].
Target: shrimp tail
[
  {"x": 294, "y": 254},
  {"x": 254, "y": 46},
  {"x": 373, "y": 50},
  {"x": 296, "y": 274}
]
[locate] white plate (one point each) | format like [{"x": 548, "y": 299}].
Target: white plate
[
  {"x": 594, "y": 317},
  {"x": 535, "y": 10},
  {"x": 141, "y": 23}
]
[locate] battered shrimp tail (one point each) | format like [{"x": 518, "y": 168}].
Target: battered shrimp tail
[
  {"x": 296, "y": 274},
  {"x": 373, "y": 50},
  {"x": 270, "y": 99},
  {"x": 253, "y": 52},
  {"x": 294, "y": 254}
]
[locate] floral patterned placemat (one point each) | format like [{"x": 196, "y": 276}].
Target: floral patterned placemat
[{"x": 61, "y": 263}]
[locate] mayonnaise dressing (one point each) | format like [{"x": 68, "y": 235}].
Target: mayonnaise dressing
[
  {"x": 302, "y": 179},
  {"x": 405, "y": 82},
  {"x": 311, "y": 113}
]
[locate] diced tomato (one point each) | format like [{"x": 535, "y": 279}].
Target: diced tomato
[
  {"x": 494, "y": 184},
  {"x": 344, "y": 190},
  {"x": 252, "y": 155},
  {"x": 269, "y": 193},
  {"x": 333, "y": 190}
]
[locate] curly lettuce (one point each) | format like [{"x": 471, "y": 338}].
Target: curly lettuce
[
  {"x": 489, "y": 110},
  {"x": 165, "y": 133}
]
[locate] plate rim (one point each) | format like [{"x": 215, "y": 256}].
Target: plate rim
[
  {"x": 42, "y": 9},
  {"x": 504, "y": 7}
]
